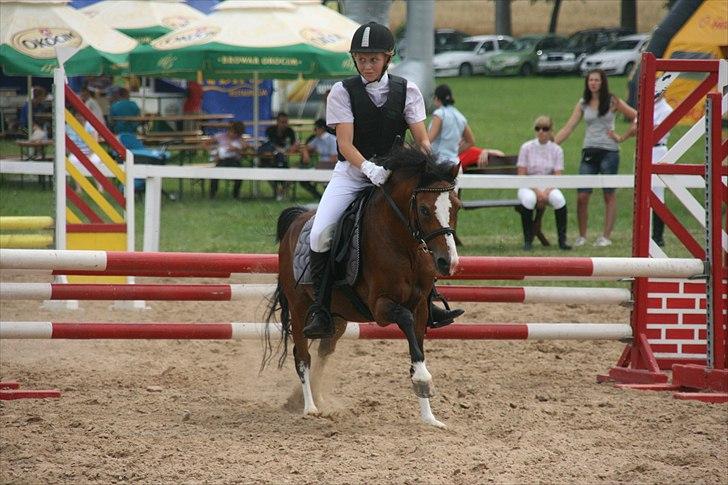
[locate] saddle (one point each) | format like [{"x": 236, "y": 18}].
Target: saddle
[{"x": 346, "y": 258}]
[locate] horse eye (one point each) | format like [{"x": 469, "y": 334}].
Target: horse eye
[{"x": 424, "y": 211}]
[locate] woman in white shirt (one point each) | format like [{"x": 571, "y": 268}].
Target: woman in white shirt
[{"x": 541, "y": 156}]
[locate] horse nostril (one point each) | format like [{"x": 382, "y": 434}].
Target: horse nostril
[{"x": 443, "y": 266}]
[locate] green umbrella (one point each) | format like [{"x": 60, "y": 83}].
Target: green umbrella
[
  {"x": 31, "y": 29},
  {"x": 144, "y": 20},
  {"x": 271, "y": 39}
]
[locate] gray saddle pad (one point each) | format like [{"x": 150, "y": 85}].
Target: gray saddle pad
[{"x": 301, "y": 271}]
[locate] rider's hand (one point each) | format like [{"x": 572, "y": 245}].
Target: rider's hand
[{"x": 378, "y": 175}]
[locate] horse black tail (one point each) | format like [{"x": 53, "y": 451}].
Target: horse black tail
[
  {"x": 286, "y": 219},
  {"x": 278, "y": 302}
]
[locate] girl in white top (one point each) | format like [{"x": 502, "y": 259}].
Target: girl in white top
[
  {"x": 448, "y": 127},
  {"x": 541, "y": 156}
]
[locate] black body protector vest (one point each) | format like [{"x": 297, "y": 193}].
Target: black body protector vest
[{"x": 376, "y": 129}]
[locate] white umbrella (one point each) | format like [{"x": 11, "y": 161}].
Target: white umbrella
[{"x": 143, "y": 20}]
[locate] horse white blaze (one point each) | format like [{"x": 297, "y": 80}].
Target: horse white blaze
[{"x": 443, "y": 207}]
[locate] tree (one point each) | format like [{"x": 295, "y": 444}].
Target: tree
[
  {"x": 503, "y": 17},
  {"x": 554, "y": 16},
  {"x": 629, "y": 15}
]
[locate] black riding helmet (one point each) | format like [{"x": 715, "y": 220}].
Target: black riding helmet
[{"x": 373, "y": 37}]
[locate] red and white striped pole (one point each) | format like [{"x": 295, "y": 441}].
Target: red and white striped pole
[
  {"x": 219, "y": 264},
  {"x": 502, "y": 294},
  {"x": 248, "y": 331}
]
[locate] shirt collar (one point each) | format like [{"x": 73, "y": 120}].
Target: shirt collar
[{"x": 382, "y": 83}]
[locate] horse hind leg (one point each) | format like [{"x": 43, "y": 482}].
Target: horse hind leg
[
  {"x": 326, "y": 347},
  {"x": 302, "y": 359}
]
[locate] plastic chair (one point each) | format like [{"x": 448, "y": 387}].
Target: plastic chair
[{"x": 142, "y": 154}]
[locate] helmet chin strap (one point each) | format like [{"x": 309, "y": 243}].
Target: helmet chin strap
[{"x": 381, "y": 74}]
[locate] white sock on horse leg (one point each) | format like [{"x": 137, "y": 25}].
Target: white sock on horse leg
[{"x": 309, "y": 406}]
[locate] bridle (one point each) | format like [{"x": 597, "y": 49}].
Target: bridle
[{"x": 416, "y": 231}]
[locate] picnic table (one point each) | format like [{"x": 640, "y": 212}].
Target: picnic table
[{"x": 35, "y": 151}]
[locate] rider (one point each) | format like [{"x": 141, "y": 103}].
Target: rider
[{"x": 369, "y": 112}]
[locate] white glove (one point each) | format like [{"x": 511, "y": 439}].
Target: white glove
[{"x": 378, "y": 175}]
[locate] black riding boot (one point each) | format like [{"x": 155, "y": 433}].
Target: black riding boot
[
  {"x": 658, "y": 230},
  {"x": 440, "y": 317},
  {"x": 527, "y": 223},
  {"x": 319, "y": 323},
  {"x": 561, "y": 228}
]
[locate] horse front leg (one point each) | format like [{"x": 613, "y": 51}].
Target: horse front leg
[{"x": 421, "y": 377}]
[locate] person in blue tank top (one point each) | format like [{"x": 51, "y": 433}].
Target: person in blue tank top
[
  {"x": 448, "y": 127},
  {"x": 600, "y": 151}
]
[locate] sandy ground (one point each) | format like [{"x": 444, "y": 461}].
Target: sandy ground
[{"x": 173, "y": 411}]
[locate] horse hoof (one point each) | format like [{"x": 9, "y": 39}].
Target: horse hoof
[
  {"x": 312, "y": 411},
  {"x": 435, "y": 423}
]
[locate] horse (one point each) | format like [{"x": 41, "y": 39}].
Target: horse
[{"x": 407, "y": 241}]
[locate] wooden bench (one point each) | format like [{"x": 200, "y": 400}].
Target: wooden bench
[{"x": 505, "y": 165}]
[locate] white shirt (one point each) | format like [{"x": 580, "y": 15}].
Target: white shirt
[
  {"x": 338, "y": 104},
  {"x": 541, "y": 159},
  {"x": 95, "y": 108},
  {"x": 325, "y": 145}
]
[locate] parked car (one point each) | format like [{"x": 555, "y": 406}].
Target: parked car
[
  {"x": 445, "y": 40},
  {"x": 471, "y": 57},
  {"x": 521, "y": 57},
  {"x": 579, "y": 45},
  {"x": 619, "y": 57}
]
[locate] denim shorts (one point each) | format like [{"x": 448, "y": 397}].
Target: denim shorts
[{"x": 595, "y": 161}]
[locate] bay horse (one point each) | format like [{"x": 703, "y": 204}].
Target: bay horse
[{"x": 407, "y": 241}]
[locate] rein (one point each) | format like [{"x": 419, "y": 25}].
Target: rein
[{"x": 416, "y": 232}]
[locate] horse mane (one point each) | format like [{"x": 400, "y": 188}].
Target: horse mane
[{"x": 410, "y": 162}]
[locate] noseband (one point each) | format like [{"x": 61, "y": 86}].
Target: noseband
[{"x": 416, "y": 231}]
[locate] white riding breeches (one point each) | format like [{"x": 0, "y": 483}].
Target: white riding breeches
[
  {"x": 527, "y": 198},
  {"x": 346, "y": 182}
]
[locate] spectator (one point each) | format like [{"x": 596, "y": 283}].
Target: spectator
[
  {"x": 124, "y": 106},
  {"x": 274, "y": 152},
  {"x": 476, "y": 156},
  {"x": 448, "y": 132},
  {"x": 229, "y": 153},
  {"x": 323, "y": 145},
  {"x": 541, "y": 156},
  {"x": 89, "y": 99},
  {"x": 600, "y": 152},
  {"x": 40, "y": 105},
  {"x": 662, "y": 110}
]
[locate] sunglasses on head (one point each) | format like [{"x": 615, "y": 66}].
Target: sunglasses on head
[{"x": 542, "y": 128}]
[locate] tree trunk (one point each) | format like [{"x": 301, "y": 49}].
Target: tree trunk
[
  {"x": 503, "y": 17},
  {"x": 554, "y": 16},
  {"x": 629, "y": 15}
]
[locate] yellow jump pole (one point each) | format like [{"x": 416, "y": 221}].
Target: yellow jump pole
[
  {"x": 26, "y": 223},
  {"x": 26, "y": 241}
]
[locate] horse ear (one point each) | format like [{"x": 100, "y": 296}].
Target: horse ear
[{"x": 455, "y": 170}]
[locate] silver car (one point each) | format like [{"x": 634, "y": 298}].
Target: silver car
[{"x": 470, "y": 58}]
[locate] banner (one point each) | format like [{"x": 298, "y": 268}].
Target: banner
[{"x": 236, "y": 97}]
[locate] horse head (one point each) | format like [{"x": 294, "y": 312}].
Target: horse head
[{"x": 421, "y": 192}]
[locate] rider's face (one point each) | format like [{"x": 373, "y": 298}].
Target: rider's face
[{"x": 370, "y": 64}]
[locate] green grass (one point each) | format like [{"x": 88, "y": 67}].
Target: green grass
[{"x": 500, "y": 112}]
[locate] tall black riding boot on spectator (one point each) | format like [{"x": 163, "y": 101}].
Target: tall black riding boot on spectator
[
  {"x": 319, "y": 323},
  {"x": 560, "y": 215},
  {"x": 527, "y": 223},
  {"x": 658, "y": 230}
]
